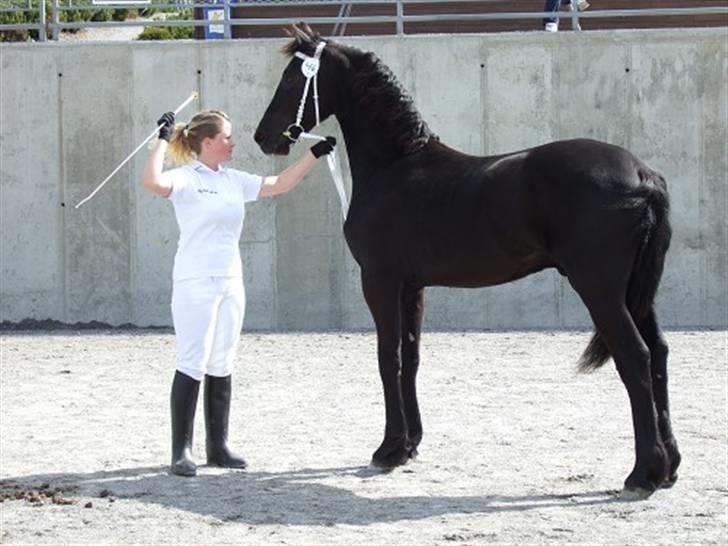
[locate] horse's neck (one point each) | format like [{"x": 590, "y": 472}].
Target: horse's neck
[
  {"x": 369, "y": 149},
  {"x": 370, "y": 124}
]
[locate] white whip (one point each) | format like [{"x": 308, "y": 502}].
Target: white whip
[{"x": 192, "y": 97}]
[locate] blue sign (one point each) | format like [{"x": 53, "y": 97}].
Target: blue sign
[{"x": 215, "y": 14}]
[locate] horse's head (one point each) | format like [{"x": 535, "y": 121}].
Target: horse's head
[{"x": 309, "y": 70}]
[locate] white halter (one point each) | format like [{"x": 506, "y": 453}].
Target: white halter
[{"x": 310, "y": 67}]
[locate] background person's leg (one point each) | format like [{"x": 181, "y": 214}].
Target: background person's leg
[{"x": 553, "y": 7}]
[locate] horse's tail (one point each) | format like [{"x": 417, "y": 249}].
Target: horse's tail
[{"x": 652, "y": 197}]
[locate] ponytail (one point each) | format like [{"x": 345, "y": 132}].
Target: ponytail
[{"x": 179, "y": 149}]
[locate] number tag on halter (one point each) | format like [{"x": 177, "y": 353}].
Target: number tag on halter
[{"x": 310, "y": 67}]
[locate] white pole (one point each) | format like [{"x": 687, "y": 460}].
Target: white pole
[{"x": 192, "y": 97}]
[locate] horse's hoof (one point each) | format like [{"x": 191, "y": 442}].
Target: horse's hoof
[
  {"x": 379, "y": 466},
  {"x": 634, "y": 494},
  {"x": 394, "y": 451},
  {"x": 668, "y": 483},
  {"x": 391, "y": 462}
]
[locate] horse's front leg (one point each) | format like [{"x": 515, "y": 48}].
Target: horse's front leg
[
  {"x": 382, "y": 294},
  {"x": 412, "y": 305}
]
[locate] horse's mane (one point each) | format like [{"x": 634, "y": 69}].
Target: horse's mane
[{"x": 375, "y": 89}]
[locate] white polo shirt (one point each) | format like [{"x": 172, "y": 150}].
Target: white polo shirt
[{"x": 210, "y": 209}]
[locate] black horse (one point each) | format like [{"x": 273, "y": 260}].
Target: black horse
[{"x": 423, "y": 214}]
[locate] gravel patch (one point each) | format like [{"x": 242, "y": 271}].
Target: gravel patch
[{"x": 518, "y": 447}]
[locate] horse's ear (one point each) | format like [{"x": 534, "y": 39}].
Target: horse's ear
[
  {"x": 301, "y": 32},
  {"x": 304, "y": 38},
  {"x": 298, "y": 37},
  {"x": 309, "y": 32}
]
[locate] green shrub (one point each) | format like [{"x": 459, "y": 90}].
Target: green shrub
[
  {"x": 16, "y": 19},
  {"x": 69, "y": 16},
  {"x": 155, "y": 33},
  {"x": 98, "y": 15},
  {"x": 124, "y": 14},
  {"x": 14, "y": 36},
  {"x": 183, "y": 33},
  {"x": 170, "y": 33},
  {"x": 29, "y": 17},
  {"x": 167, "y": 33}
]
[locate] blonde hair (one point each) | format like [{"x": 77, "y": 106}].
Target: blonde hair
[{"x": 185, "y": 144}]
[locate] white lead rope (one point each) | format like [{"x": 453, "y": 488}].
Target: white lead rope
[
  {"x": 338, "y": 182},
  {"x": 192, "y": 97},
  {"x": 335, "y": 172}
]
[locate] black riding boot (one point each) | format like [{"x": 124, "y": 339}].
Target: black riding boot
[
  {"x": 217, "y": 413},
  {"x": 183, "y": 404}
]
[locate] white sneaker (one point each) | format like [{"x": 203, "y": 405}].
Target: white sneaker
[
  {"x": 582, "y": 5},
  {"x": 551, "y": 27}
]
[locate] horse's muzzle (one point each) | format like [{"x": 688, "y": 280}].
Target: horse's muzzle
[{"x": 279, "y": 145}]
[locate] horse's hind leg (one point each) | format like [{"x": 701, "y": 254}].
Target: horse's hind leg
[
  {"x": 652, "y": 335},
  {"x": 382, "y": 295},
  {"x": 632, "y": 357},
  {"x": 412, "y": 313}
]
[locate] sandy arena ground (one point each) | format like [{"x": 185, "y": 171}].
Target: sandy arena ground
[{"x": 518, "y": 447}]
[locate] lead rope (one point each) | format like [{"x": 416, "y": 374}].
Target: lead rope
[{"x": 310, "y": 68}]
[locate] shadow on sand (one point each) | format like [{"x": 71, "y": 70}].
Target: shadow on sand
[{"x": 300, "y": 497}]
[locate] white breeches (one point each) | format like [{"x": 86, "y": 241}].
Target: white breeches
[{"x": 208, "y": 315}]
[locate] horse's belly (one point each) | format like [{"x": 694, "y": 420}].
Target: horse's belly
[
  {"x": 481, "y": 272},
  {"x": 470, "y": 281}
]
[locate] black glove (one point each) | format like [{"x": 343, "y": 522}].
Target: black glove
[
  {"x": 323, "y": 147},
  {"x": 166, "y": 124}
]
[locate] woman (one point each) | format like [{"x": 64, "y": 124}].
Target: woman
[{"x": 208, "y": 297}]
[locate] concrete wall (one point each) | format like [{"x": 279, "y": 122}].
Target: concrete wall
[{"x": 70, "y": 112}]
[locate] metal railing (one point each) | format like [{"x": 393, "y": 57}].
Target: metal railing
[
  {"x": 22, "y": 10},
  {"x": 36, "y": 9}
]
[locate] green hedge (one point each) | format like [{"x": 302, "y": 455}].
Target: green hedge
[
  {"x": 101, "y": 14},
  {"x": 70, "y": 16},
  {"x": 167, "y": 33},
  {"x": 170, "y": 33}
]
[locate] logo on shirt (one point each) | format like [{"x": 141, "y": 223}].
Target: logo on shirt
[{"x": 205, "y": 190}]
